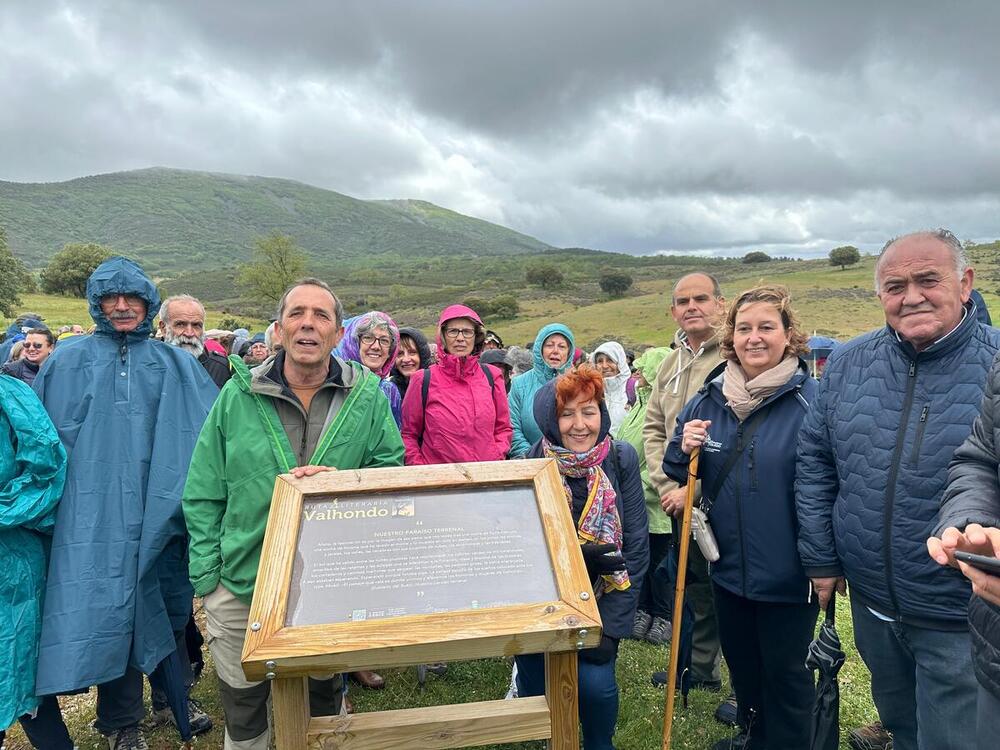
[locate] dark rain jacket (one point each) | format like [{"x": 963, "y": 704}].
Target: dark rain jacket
[
  {"x": 128, "y": 410},
  {"x": 23, "y": 370},
  {"x": 973, "y": 496},
  {"x": 423, "y": 352},
  {"x": 873, "y": 460},
  {"x": 753, "y": 513},
  {"x": 621, "y": 465}
]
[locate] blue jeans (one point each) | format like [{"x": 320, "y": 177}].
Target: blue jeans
[
  {"x": 988, "y": 723},
  {"x": 922, "y": 682},
  {"x": 598, "y": 696}
]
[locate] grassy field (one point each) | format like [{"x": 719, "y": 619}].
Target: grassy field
[
  {"x": 640, "y": 720},
  {"x": 829, "y": 301}
]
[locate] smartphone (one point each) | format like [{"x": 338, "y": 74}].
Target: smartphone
[{"x": 981, "y": 562}]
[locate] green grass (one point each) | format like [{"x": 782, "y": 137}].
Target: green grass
[{"x": 640, "y": 718}]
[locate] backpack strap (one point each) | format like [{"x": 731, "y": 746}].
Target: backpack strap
[
  {"x": 425, "y": 387},
  {"x": 489, "y": 374}
]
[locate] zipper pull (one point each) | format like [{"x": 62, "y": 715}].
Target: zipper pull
[
  {"x": 913, "y": 369},
  {"x": 739, "y": 438},
  {"x": 124, "y": 350},
  {"x": 923, "y": 414}
]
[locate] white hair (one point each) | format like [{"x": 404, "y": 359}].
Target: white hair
[
  {"x": 165, "y": 307},
  {"x": 945, "y": 237}
]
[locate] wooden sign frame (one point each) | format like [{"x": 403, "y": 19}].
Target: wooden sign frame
[{"x": 286, "y": 655}]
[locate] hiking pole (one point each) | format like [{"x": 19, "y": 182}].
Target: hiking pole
[{"x": 675, "y": 625}]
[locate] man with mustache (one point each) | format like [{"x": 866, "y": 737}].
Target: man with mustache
[
  {"x": 128, "y": 410},
  {"x": 873, "y": 457},
  {"x": 182, "y": 323}
]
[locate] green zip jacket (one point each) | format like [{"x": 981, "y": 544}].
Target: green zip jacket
[{"x": 243, "y": 447}]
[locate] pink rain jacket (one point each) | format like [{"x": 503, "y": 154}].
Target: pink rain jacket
[{"x": 464, "y": 420}]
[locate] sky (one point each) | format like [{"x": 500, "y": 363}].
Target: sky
[{"x": 641, "y": 127}]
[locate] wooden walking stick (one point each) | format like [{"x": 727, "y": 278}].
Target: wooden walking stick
[{"x": 675, "y": 626}]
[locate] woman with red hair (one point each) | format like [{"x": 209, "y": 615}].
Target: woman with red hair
[{"x": 601, "y": 479}]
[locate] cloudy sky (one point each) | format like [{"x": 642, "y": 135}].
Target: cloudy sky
[{"x": 633, "y": 126}]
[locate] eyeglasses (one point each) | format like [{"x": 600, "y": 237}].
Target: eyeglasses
[
  {"x": 465, "y": 333},
  {"x": 35, "y": 345},
  {"x": 132, "y": 300},
  {"x": 384, "y": 341}
]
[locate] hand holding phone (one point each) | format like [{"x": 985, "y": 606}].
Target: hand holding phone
[{"x": 984, "y": 563}]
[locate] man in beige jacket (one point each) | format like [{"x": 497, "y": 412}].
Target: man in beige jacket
[{"x": 697, "y": 307}]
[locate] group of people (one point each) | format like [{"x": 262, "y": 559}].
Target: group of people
[{"x": 136, "y": 474}]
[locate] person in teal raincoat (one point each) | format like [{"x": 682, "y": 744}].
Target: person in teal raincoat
[
  {"x": 553, "y": 355},
  {"x": 32, "y": 472},
  {"x": 128, "y": 410}
]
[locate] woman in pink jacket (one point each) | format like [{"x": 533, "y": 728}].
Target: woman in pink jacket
[{"x": 456, "y": 410}]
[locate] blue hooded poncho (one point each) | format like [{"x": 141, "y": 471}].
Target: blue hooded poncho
[
  {"x": 32, "y": 472},
  {"x": 128, "y": 410},
  {"x": 524, "y": 387}
]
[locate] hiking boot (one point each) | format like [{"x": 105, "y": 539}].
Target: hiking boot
[
  {"x": 200, "y": 721},
  {"x": 659, "y": 632},
  {"x": 129, "y": 738},
  {"x": 727, "y": 711},
  {"x": 641, "y": 623},
  {"x": 871, "y": 737}
]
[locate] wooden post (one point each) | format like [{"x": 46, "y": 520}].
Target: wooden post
[
  {"x": 290, "y": 702},
  {"x": 563, "y": 697}
]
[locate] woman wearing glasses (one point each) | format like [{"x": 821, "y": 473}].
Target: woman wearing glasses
[
  {"x": 372, "y": 339},
  {"x": 456, "y": 410},
  {"x": 36, "y": 349}
]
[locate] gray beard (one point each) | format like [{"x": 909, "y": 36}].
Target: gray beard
[{"x": 191, "y": 344}]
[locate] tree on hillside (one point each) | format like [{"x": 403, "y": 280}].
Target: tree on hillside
[
  {"x": 615, "y": 283},
  {"x": 69, "y": 269},
  {"x": 14, "y": 279},
  {"x": 845, "y": 255},
  {"x": 545, "y": 275},
  {"x": 756, "y": 257},
  {"x": 277, "y": 262}
]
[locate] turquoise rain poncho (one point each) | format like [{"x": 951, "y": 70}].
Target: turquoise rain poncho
[
  {"x": 524, "y": 387},
  {"x": 32, "y": 471},
  {"x": 128, "y": 410}
]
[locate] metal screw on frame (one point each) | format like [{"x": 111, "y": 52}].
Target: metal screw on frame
[
  {"x": 582, "y": 634},
  {"x": 255, "y": 626},
  {"x": 584, "y": 595}
]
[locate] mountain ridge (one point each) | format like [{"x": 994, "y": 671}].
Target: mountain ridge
[{"x": 175, "y": 220}]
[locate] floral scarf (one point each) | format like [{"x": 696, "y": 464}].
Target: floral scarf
[{"x": 599, "y": 521}]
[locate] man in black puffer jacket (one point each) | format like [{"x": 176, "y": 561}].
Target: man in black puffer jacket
[
  {"x": 893, "y": 405},
  {"x": 970, "y": 520}
]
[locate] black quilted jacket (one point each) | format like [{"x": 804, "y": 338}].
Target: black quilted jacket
[{"x": 973, "y": 496}]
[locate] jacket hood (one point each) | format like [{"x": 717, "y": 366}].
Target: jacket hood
[
  {"x": 544, "y": 409},
  {"x": 349, "y": 347},
  {"x": 648, "y": 363},
  {"x": 680, "y": 340},
  {"x": 420, "y": 340},
  {"x": 539, "y": 365},
  {"x": 616, "y": 352},
  {"x": 121, "y": 276},
  {"x": 460, "y": 311}
]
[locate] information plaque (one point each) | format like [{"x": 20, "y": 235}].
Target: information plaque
[
  {"x": 368, "y": 557},
  {"x": 375, "y": 568}
]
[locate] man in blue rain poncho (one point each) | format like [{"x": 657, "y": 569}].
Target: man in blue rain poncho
[{"x": 128, "y": 410}]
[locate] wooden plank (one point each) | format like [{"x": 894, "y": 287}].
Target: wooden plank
[
  {"x": 563, "y": 699},
  {"x": 391, "y": 479},
  {"x": 572, "y": 581},
  {"x": 422, "y": 639},
  {"x": 290, "y": 700},
  {"x": 270, "y": 596},
  {"x": 462, "y": 725}
]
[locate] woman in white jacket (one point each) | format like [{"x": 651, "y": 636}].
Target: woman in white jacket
[{"x": 610, "y": 360}]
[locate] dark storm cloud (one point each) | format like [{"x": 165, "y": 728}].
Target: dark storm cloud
[{"x": 637, "y": 126}]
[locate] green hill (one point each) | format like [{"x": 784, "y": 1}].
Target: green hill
[{"x": 175, "y": 220}]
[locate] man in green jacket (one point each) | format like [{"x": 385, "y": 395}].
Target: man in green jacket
[{"x": 301, "y": 411}]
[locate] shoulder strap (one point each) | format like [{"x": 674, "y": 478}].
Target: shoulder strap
[
  {"x": 744, "y": 435},
  {"x": 425, "y": 387},
  {"x": 489, "y": 374}
]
